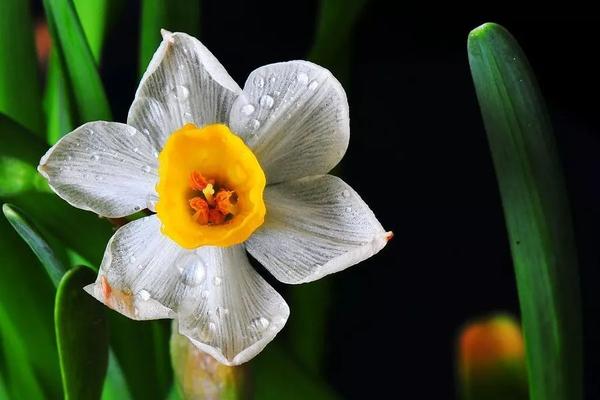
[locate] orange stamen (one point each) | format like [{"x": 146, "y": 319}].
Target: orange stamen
[
  {"x": 199, "y": 182},
  {"x": 224, "y": 203},
  {"x": 215, "y": 217},
  {"x": 200, "y": 205}
]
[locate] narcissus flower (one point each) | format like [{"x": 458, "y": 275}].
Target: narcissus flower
[{"x": 227, "y": 171}]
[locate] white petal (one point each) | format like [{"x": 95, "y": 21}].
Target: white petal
[
  {"x": 105, "y": 167},
  {"x": 184, "y": 83},
  {"x": 315, "y": 226},
  {"x": 294, "y": 115},
  {"x": 221, "y": 303}
]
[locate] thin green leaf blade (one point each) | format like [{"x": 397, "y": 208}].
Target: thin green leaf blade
[
  {"x": 93, "y": 15},
  {"x": 536, "y": 211},
  {"x": 72, "y": 46},
  {"x": 21, "y": 381},
  {"x": 115, "y": 385},
  {"x": 35, "y": 240},
  {"x": 81, "y": 335},
  {"x": 173, "y": 15},
  {"x": 20, "y": 95}
]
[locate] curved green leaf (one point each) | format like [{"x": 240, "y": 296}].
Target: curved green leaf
[
  {"x": 30, "y": 234},
  {"x": 173, "y": 15},
  {"x": 81, "y": 335},
  {"x": 72, "y": 47},
  {"x": 20, "y": 95},
  {"x": 536, "y": 210}
]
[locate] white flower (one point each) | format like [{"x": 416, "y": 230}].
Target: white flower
[{"x": 189, "y": 260}]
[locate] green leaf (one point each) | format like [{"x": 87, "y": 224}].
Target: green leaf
[
  {"x": 21, "y": 381},
  {"x": 57, "y": 102},
  {"x": 536, "y": 210},
  {"x": 115, "y": 386},
  {"x": 276, "y": 376},
  {"x": 310, "y": 302},
  {"x": 173, "y": 15},
  {"x": 20, "y": 95},
  {"x": 78, "y": 61},
  {"x": 135, "y": 347},
  {"x": 26, "y": 324},
  {"x": 81, "y": 335},
  {"x": 31, "y": 235},
  {"x": 333, "y": 38},
  {"x": 93, "y": 15}
]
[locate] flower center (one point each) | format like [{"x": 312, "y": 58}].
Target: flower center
[{"x": 210, "y": 188}]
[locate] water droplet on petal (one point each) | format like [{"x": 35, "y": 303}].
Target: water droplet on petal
[
  {"x": 259, "y": 81},
  {"x": 302, "y": 78},
  {"x": 276, "y": 93},
  {"x": 212, "y": 327},
  {"x": 144, "y": 294},
  {"x": 217, "y": 281},
  {"x": 155, "y": 154},
  {"x": 69, "y": 158},
  {"x": 266, "y": 101},
  {"x": 248, "y": 109},
  {"x": 95, "y": 157},
  {"x": 313, "y": 85},
  {"x": 146, "y": 168},
  {"x": 259, "y": 324},
  {"x": 135, "y": 149},
  {"x": 272, "y": 79},
  {"x": 90, "y": 132},
  {"x": 132, "y": 259},
  {"x": 221, "y": 312},
  {"x": 253, "y": 124},
  {"x": 348, "y": 209},
  {"x": 346, "y": 193},
  {"x": 181, "y": 92},
  {"x": 192, "y": 270}
]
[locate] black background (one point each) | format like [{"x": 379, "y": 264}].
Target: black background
[{"x": 418, "y": 156}]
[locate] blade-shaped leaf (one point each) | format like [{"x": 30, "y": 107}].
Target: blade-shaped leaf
[
  {"x": 115, "y": 386},
  {"x": 57, "y": 102},
  {"x": 31, "y": 235},
  {"x": 81, "y": 335},
  {"x": 276, "y": 376},
  {"x": 93, "y": 15},
  {"x": 71, "y": 45},
  {"x": 310, "y": 302},
  {"x": 20, "y": 95},
  {"x": 173, "y": 15},
  {"x": 21, "y": 381},
  {"x": 26, "y": 296},
  {"x": 536, "y": 210}
]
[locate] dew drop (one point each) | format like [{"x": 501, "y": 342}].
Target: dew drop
[
  {"x": 348, "y": 209},
  {"x": 212, "y": 327},
  {"x": 259, "y": 81},
  {"x": 217, "y": 281},
  {"x": 69, "y": 158},
  {"x": 135, "y": 149},
  {"x": 144, "y": 294},
  {"x": 155, "y": 154},
  {"x": 313, "y": 85},
  {"x": 253, "y": 124},
  {"x": 192, "y": 270},
  {"x": 302, "y": 78},
  {"x": 248, "y": 109},
  {"x": 136, "y": 208},
  {"x": 260, "y": 324},
  {"x": 272, "y": 79},
  {"x": 346, "y": 193},
  {"x": 266, "y": 101},
  {"x": 140, "y": 267},
  {"x": 91, "y": 132},
  {"x": 131, "y": 259},
  {"x": 276, "y": 93},
  {"x": 95, "y": 157},
  {"x": 146, "y": 168},
  {"x": 181, "y": 92},
  {"x": 221, "y": 312}
]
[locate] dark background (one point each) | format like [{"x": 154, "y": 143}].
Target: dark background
[{"x": 418, "y": 156}]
